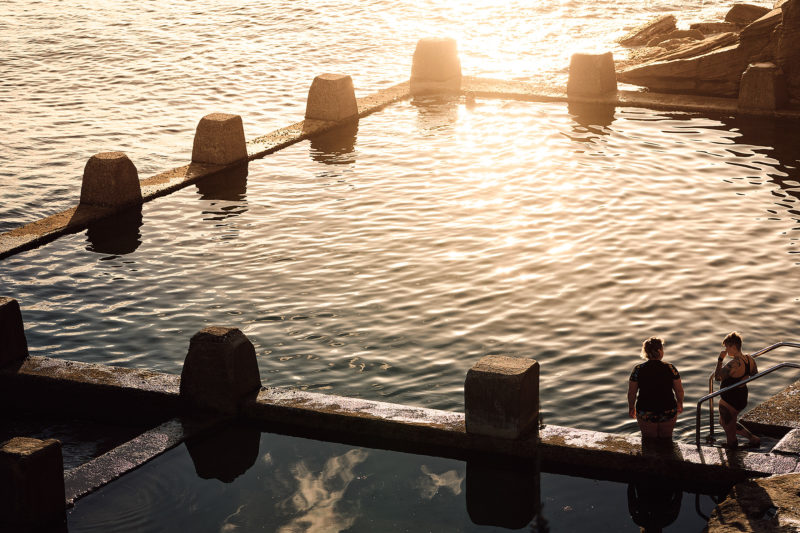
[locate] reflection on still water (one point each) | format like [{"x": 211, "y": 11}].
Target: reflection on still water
[
  {"x": 227, "y": 481},
  {"x": 337, "y": 146},
  {"x": 319, "y": 501},
  {"x": 654, "y": 505},
  {"x": 118, "y": 234}
]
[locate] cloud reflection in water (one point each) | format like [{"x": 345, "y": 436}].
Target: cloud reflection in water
[{"x": 318, "y": 494}]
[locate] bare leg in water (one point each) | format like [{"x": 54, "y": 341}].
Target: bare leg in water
[
  {"x": 727, "y": 419},
  {"x": 660, "y": 430}
]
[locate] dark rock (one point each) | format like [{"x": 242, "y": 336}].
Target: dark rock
[
  {"x": 714, "y": 69},
  {"x": 715, "y": 73},
  {"x": 676, "y": 34},
  {"x": 642, "y": 34},
  {"x": 710, "y": 28},
  {"x": 787, "y": 50},
  {"x": 757, "y": 41},
  {"x": 745, "y": 13}
]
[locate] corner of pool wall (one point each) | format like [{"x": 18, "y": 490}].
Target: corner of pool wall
[
  {"x": 435, "y": 67},
  {"x": 219, "y": 140},
  {"x": 31, "y": 485},
  {"x": 331, "y": 97},
  {"x": 12, "y": 332},
  {"x": 762, "y": 88},
  {"x": 591, "y": 75},
  {"x": 110, "y": 179},
  {"x": 501, "y": 397},
  {"x": 220, "y": 371}
]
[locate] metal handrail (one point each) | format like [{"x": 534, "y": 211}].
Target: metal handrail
[
  {"x": 762, "y": 351},
  {"x": 726, "y": 389}
]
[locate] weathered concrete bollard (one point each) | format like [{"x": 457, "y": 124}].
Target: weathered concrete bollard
[
  {"x": 31, "y": 484},
  {"x": 219, "y": 140},
  {"x": 12, "y": 332},
  {"x": 501, "y": 397},
  {"x": 220, "y": 370},
  {"x": 435, "y": 66},
  {"x": 763, "y": 87},
  {"x": 110, "y": 179},
  {"x": 591, "y": 75},
  {"x": 331, "y": 97}
]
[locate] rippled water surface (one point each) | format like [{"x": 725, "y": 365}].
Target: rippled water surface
[
  {"x": 383, "y": 261},
  {"x": 83, "y": 77}
]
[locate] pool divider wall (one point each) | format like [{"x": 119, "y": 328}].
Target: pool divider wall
[
  {"x": 31, "y": 484},
  {"x": 12, "y": 332},
  {"x": 436, "y": 68}
]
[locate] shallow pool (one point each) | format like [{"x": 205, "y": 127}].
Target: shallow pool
[
  {"x": 243, "y": 480},
  {"x": 384, "y": 260}
]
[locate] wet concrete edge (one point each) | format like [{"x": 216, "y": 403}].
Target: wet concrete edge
[
  {"x": 102, "y": 470},
  {"x": 78, "y": 218},
  {"x": 110, "y": 394}
]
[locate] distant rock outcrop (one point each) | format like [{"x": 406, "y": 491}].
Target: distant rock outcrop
[{"x": 709, "y": 58}]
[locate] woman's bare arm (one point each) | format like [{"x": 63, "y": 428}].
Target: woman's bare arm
[
  {"x": 677, "y": 386},
  {"x": 633, "y": 388}
]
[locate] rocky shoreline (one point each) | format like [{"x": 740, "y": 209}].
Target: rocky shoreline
[{"x": 710, "y": 58}]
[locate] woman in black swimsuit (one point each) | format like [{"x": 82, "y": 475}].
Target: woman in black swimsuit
[
  {"x": 655, "y": 392},
  {"x": 732, "y": 402}
]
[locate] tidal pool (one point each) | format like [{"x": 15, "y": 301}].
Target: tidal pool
[{"x": 383, "y": 260}]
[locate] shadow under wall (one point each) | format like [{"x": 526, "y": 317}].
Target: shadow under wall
[
  {"x": 118, "y": 234},
  {"x": 224, "y": 453},
  {"x": 336, "y": 146},
  {"x": 504, "y": 493},
  {"x": 591, "y": 120},
  {"x": 230, "y": 184},
  {"x": 436, "y": 112}
]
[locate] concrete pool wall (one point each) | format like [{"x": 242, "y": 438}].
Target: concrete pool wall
[
  {"x": 179, "y": 407},
  {"x": 209, "y": 392}
]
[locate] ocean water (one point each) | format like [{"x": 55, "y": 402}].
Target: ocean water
[{"x": 384, "y": 261}]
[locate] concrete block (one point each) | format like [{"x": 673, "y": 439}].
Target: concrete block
[
  {"x": 501, "y": 397},
  {"x": 31, "y": 483},
  {"x": 789, "y": 444},
  {"x": 220, "y": 370},
  {"x": 12, "y": 332},
  {"x": 763, "y": 87},
  {"x": 591, "y": 75},
  {"x": 219, "y": 140},
  {"x": 331, "y": 97},
  {"x": 110, "y": 179},
  {"x": 435, "y": 66}
]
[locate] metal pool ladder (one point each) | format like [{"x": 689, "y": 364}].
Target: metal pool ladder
[{"x": 711, "y": 394}]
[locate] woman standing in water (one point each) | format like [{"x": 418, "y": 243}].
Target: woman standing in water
[
  {"x": 732, "y": 402},
  {"x": 659, "y": 389}
]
